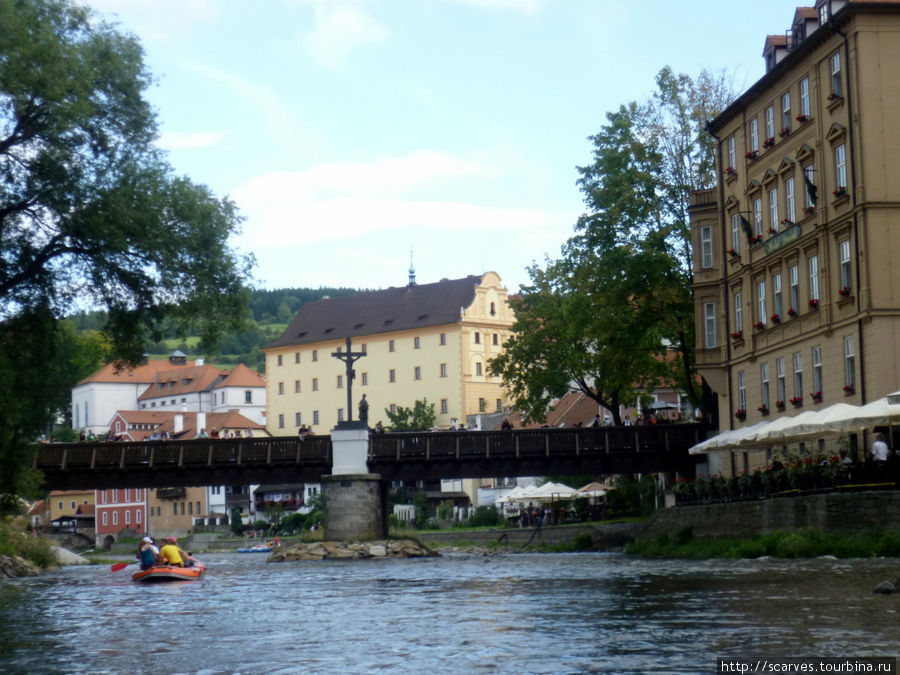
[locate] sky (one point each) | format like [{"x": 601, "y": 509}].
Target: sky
[{"x": 356, "y": 136}]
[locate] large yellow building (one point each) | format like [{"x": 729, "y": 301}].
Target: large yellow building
[
  {"x": 429, "y": 341},
  {"x": 797, "y": 296}
]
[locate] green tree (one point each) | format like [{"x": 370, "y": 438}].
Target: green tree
[
  {"x": 237, "y": 525},
  {"x": 420, "y": 417},
  {"x": 91, "y": 214},
  {"x": 601, "y": 318}
]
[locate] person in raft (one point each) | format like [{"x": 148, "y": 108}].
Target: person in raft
[
  {"x": 147, "y": 553},
  {"x": 172, "y": 554}
]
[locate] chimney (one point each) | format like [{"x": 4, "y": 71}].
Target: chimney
[
  {"x": 201, "y": 422},
  {"x": 179, "y": 423},
  {"x": 198, "y": 362}
]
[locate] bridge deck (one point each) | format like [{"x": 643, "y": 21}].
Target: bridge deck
[{"x": 400, "y": 456}]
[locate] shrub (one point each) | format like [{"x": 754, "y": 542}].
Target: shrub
[
  {"x": 484, "y": 516},
  {"x": 583, "y": 542}
]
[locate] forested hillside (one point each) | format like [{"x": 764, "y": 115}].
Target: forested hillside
[{"x": 270, "y": 312}]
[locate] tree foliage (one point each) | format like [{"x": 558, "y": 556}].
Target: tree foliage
[
  {"x": 421, "y": 417},
  {"x": 602, "y": 318},
  {"x": 91, "y": 214}
]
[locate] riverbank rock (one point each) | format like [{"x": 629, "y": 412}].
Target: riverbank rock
[
  {"x": 885, "y": 588},
  {"x": 337, "y": 550},
  {"x": 65, "y": 557},
  {"x": 14, "y": 566}
]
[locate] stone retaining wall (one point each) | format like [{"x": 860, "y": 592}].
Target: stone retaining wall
[
  {"x": 609, "y": 537},
  {"x": 841, "y": 513}
]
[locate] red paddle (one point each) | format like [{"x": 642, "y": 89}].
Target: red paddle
[{"x": 119, "y": 566}]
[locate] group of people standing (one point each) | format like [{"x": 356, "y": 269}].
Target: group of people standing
[{"x": 150, "y": 555}]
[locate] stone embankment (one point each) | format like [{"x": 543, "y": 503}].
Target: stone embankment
[
  {"x": 14, "y": 566},
  {"x": 336, "y": 550}
]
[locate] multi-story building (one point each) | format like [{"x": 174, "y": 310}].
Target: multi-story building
[
  {"x": 174, "y": 511},
  {"x": 173, "y": 384},
  {"x": 421, "y": 342},
  {"x": 72, "y": 510},
  {"x": 797, "y": 304},
  {"x": 118, "y": 509}
]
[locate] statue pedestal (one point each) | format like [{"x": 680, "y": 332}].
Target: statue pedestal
[{"x": 354, "y": 503}]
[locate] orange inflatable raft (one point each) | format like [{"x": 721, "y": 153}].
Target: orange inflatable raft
[{"x": 170, "y": 573}]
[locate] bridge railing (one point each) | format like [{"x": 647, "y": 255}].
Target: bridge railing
[
  {"x": 531, "y": 443},
  {"x": 275, "y": 451}
]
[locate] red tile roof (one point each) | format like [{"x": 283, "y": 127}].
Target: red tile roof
[
  {"x": 143, "y": 374},
  {"x": 241, "y": 376}
]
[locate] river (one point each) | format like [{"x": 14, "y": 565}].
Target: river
[{"x": 540, "y": 613}]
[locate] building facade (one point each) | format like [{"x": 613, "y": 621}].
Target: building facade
[
  {"x": 421, "y": 342},
  {"x": 118, "y": 509},
  {"x": 797, "y": 302}
]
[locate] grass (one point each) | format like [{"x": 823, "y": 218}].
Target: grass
[
  {"x": 15, "y": 541},
  {"x": 799, "y": 544}
]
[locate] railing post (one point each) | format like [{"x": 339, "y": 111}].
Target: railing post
[
  {"x": 150, "y": 461},
  {"x": 427, "y": 449},
  {"x": 180, "y": 454},
  {"x": 65, "y": 459},
  {"x": 546, "y": 444},
  {"x": 517, "y": 445},
  {"x": 268, "y": 453},
  {"x": 240, "y": 455},
  {"x": 577, "y": 443},
  {"x": 121, "y": 457},
  {"x": 398, "y": 449},
  {"x": 209, "y": 454},
  {"x": 94, "y": 459},
  {"x": 487, "y": 446},
  {"x": 606, "y": 441}
]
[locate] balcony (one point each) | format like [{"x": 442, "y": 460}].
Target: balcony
[{"x": 171, "y": 493}]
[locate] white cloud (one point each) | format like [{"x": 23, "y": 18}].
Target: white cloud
[
  {"x": 340, "y": 29},
  {"x": 527, "y": 6},
  {"x": 186, "y": 140},
  {"x": 341, "y": 200}
]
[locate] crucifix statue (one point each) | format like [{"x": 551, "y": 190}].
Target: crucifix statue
[{"x": 349, "y": 357}]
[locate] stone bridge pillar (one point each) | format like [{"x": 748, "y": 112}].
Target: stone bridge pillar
[{"x": 354, "y": 498}]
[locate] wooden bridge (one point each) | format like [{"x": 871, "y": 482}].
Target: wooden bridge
[{"x": 395, "y": 456}]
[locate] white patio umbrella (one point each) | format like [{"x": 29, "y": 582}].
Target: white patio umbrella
[
  {"x": 876, "y": 413},
  {"x": 784, "y": 428},
  {"x": 726, "y": 439}
]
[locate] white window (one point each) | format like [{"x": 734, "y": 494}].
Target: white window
[
  {"x": 315, "y": 417},
  {"x": 773, "y": 209},
  {"x": 794, "y": 276},
  {"x": 770, "y": 123},
  {"x": 813, "y": 277},
  {"x": 416, "y": 343},
  {"x": 840, "y": 166},
  {"x": 757, "y": 217},
  {"x": 732, "y": 152},
  {"x": 105, "y": 519},
  {"x": 115, "y": 517},
  {"x": 128, "y": 516},
  {"x": 764, "y": 383},
  {"x": 738, "y": 313},
  {"x": 340, "y": 415},
  {"x": 779, "y": 379},
  {"x": 444, "y": 406},
  {"x": 844, "y": 249},
  {"x": 817, "y": 370},
  {"x": 298, "y": 419},
  {"x": 365, "y": 379},
  {"x": 315, "y": 384},
  {"x": 706, "y": 259},
  {"x": 786, "y": 111},
  {"x": 776, "y": 295},
  {"x": 138, "y": 516},
  {"x": 836, "y": 88},
  {"x": 340, "y": 381},
  {"x": 709, "y": 321},
  {"x": 281, "y": 421},
  {"x": 127, "y": 495},
  {"x": 754, "y": 135},
  {"x": 390, "y": 345},
  {"x": 297, "y": 388},
  {"x": 443, "y": 370},
  {"x": 281, "y": 387},
  {"x": 315, "y": 355},
  {"x": 417, "y": 372},
  {"x": 443, "y": 340},
  {"x": 849, "y": 362},
  {"x": 798, "y": 375},
  {"x": 392, "y": 375},
  {"x": 789, "y": 199},
  {"x": 736, "y": 232},
  {"x": 804, "y": 97},
  {"x": 761, "y": 314},
  {"x": 742, "y": 391}
]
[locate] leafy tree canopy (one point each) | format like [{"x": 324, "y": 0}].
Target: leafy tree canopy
[
  {"x": 91, "y": 214},
  {"x": 421, "y": 417},
  {"x": 603, "y": 317}
]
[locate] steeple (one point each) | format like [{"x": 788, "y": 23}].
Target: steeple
[{"x": 412, "y": 270}]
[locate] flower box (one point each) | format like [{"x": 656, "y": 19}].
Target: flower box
[
  {"x": 772, "y": 231},
  {"x": 803, "y": 119},
  {"x": 769, "y": 142},
  {"x": 786, "y": 131},
  {"x": 792, "y": 312},
  {"x": 732, "y": 253},
  {"x": 816, "y": 396},
  {"x": 834, "y": 97},
  {"x": 730, "y": 172},
  {"x": 757, "y": 239},
  {"x": 814, "y": 303},
  {"x": 775, "y": 318},
  {"x": 763, "y": 409},
  {"x": 849, "y": 389},
  {"x": 845, "y": 291},
  {"x": 779, "y": 405},
  {"x": 740, "y": 414},
  {"x": 759, "y": 325},
  {"x": 809, "y": 210},
  {"x": 797, "y": 401},
  {"x": 753, "y": 154},
  {"x": 840, "y": 191},
  {"x": 737, "y": 335},
  {"x": 787, "y": 222}
]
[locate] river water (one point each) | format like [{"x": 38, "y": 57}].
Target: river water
[{"x": 540, "y": 613}]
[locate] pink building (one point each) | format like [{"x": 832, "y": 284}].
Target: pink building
[{"x": 120, "y": 508}]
